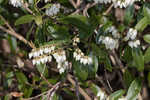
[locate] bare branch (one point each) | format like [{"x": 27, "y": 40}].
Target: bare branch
[{"x": 69, "y": 77}]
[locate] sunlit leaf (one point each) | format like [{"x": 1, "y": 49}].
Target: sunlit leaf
[
  {"x": 24, "y": 19},
  {"x": 134, "y": 90}
]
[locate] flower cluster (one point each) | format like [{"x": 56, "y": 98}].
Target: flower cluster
[
  {"x": 44, "y": 54},
  {"x": 123, "y": 98},
  {"x": 62, "y": 63},
  {"x": 102, "y": 1},
  {"x": 79, "y": 56},
  {"x": 16, "y": 3},
  {"x": 42, "y": 59},
  {"x": 40, "y": 51},
  {"x": 46, "y": 1},
  {"x": 114, "y": 32},
  {"x": 76, "y": 40},
  {"x": 53, "y": 10},
  {"x": 131, "y": 36},
  {"x": 102, "y": 95},
  {"x": 117, "y": 3},
  {"x": 110, "y": 42}
]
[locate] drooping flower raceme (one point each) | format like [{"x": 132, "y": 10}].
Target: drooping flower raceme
[
  {"x": 16, "y": 3},
  {"x": 102, "y": 95},
  {"x": 53, "y": 10},
  {"x": 114, "y": 32},
  {"x": 131, "y": 36},
  {"x": 42, "y": 54},
  {"x": 117, "y": 3},
  {"x": 110, "y": 43},
  {"x": 135, "y": 43},
  {"x": 132, "y": 33},
  {"x": 123, "y": 98},
  {"x": 62, "y": 63},
  {"x": 102, "y": 1},
  {"x": 75, "y": 41},
  {"x": 79, "y": 56}
]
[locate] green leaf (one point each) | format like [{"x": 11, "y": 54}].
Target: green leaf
[
  {"x": 42, "y": 68},
  {"x": 116, "y": 95},
  {"x": 59, "y": 32},
  {"x": 24, "y": 19},
  {"x": 2, "y": 22},
  {"x": 7, "y": 97},
  {"x": 146, "y": 12},
  {"x": 128, "y": 78},
  {"x": 107, "y": 63},
  {"x": 80, "y": 71},
  {"x": 129, "y": 13},
  {"x": 148, "y": 78},
  {"x": 86, "y": 71},
  {"x": 46, "y": 6},
  {"x": 127, "y": 54},
  {"x": 21, "y": 77},
  {"x": 134, "y": 89},
  {"x": 28, "y": 92},
  {"x": 138, "y": 58},
  {"x": 147, "y": 56},
  {"x": 142, "y": 24},
  {"x": 13, "y": 43},
  {"x": 81, "y": 22},
  {"x": 147, "y": 38},
  {"x": 38, "y": 20}
]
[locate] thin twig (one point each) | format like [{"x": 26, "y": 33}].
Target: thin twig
[
  {"x": 73, "y": 3},
  {"x": 109, "y": 9},
  {"x": 78, "y": 3},
  {"x": 54, "y": 88},
  {"x": 12, "y": 32},
  {"x": 69, "y": 77},
  {"x": 100, "y": 79},
  {"x": 88, "y": 6},
  {"x": 18, "y": 36},
  {"x": 77, "y": 89},
  {"x": 25, "y": 6},
  {"x": 118, "y": 61}
]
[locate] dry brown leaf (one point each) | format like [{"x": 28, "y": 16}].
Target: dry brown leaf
[{"x": 16, "y": 94}]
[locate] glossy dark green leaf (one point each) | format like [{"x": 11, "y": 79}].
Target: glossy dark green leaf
[
  {"x": 2, "y": 22},
  {"x": 146, "y": 12},
  {"x": 58, "y": 32},
  {"x": 147, "y": 38},
  {"x": 13, "y": 43},
  {"x": 127, "y": 54},
  {"x": 138, "y": 59},
  {"x": 128, "y": 78},
  {"x": 21, "y": 77},
  {"x": 147, "y": 56},
  {"x": 24, "y": 19},
  {"x": 28, "y": 92},
  {"x": 148, "y": 78},
  {"x": 80, "y": 71},
  {"x": 129, "y": 13},
  {"x": 81, "y": 22},
  {"x": 116, "y": 95},
  {"x": 142, "y": 24},
  {"x": 86, "y": 71},
  {"x": 107, "y": 63},
  {"x": 38, "y": 20},
  {"x": 134, "y": 89},
  {"x": 42, "y": 68}
]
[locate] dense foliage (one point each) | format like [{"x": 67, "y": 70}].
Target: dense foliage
[{"x": 74, "y": 49}]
